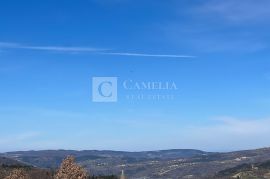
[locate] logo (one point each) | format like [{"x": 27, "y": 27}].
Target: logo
[{"x": 104, "y": 89}]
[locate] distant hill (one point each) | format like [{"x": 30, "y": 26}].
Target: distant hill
[
  {"x": 8, "y": 164},
  {"x": 247, "y": 171},
  {"x": 53, "y": 158},
  {"x": 9, "y": 161},
  {"x": 177, "y": 163}
]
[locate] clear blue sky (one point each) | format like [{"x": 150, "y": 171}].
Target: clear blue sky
[{"x": 217, "y": 52}]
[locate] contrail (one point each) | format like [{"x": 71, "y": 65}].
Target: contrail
[{"x": 98, "y": 51}]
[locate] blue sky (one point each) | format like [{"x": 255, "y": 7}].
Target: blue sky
[{"x": 217, "y": 52}]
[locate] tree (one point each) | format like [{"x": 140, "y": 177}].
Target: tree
[
  {"x": 70, "y": 170},
  {"x": 17, "y": 174}
]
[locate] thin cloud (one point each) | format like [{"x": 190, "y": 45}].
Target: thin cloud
[
  {"x": 97, "y": 51},
  {"x": 9, "y": 45},
  {"x": 21, "y": 137},
  {"x": 50, "y": 48},
  {"x": 238, "y": 10},
  {"x": 148, "y": 55},
  {"x": 229, "y": 134}
]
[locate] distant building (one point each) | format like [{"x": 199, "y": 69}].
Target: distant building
[{"x": 122, "y": 175}]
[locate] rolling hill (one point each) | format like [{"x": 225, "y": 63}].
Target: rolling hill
[{"x": 163, "y": 164}]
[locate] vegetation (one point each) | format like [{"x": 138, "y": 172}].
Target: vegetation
[
  {"x": 18, "y": 174},
  {"x": 103, "y": 177},
  {"x": 68, "y": 170}
]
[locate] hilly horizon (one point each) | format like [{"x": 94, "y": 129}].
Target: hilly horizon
[{"x": 161, "y": 164}]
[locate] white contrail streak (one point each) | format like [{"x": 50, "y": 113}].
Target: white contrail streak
[{"x": 98, "y": 51}]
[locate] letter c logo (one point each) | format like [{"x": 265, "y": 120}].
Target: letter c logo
[{"x": 101, "y": 89}]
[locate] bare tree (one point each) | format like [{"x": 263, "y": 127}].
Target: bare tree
[
  {"x": 70, "y": 170},
  {"x": 17, "y": 174}
]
